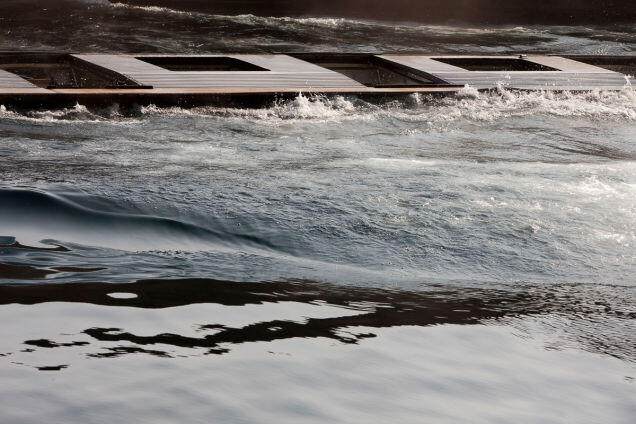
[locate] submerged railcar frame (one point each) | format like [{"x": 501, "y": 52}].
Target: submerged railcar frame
[{"x": 34, "y": 80}]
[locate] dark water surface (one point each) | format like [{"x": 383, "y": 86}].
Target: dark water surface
[
  {"x": 101, "y": 25},
  {"x": 461, "y": 259}
]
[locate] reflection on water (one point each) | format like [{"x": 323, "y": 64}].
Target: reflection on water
[
  {"x": 352, "y": 308},
  {"x": 303, "y": 351}
]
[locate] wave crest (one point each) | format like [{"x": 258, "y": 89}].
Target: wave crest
[{"x": 34, "y": 215}]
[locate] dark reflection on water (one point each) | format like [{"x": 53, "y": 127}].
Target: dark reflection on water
[
  {"x": 23, "y": 272},
  {"x": 53, "y": 368},
  {"x": 367, "y": 308},
  {"x": 50, "y": 344}
]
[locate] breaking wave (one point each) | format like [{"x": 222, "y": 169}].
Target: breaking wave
[
  {"x": 76, "y": 114},
  {"x": 467, "y": 104},
  {"x": 154, "y": 9}
]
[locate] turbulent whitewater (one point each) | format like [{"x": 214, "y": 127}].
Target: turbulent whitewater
[{"x": 335, "y": 187}]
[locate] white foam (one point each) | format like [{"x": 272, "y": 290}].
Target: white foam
[
  {"x": 505, "y": 103},
  {"x": 333, "y": 23},
  {"x": 468, "y": 91},
  {"x": 467, "y": 104},
  {"x": 313, "y": 108},
  {"x": 155, "y": 9},
  {"x": 76, "y": 114},
  {"x": 398, "y": 163}
]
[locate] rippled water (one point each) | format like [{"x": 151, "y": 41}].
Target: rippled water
[
  {"x": 468, "y": 258},
  {"x": 101, "y": 25}
]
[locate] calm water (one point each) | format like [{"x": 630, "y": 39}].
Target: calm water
[{"x": 461, "y": 259}]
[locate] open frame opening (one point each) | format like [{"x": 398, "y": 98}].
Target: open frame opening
[
  {"x": 200, "y": 63},
  {"x": 493, "y": 64},
  {"x": 623, "y": 64},
  {"x": 62, "y": 71},
  {"x": 370, "y": 70}
]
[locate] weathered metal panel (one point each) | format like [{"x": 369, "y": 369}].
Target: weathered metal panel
[
  {"x": 284, "y": 72},
  {"x": 9, "y": 80}
]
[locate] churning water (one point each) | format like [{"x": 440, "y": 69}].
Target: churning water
[{"x": 468, "y": 258}]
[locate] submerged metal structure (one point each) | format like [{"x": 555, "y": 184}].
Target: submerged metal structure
[{"x": 58, "y": 79}]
